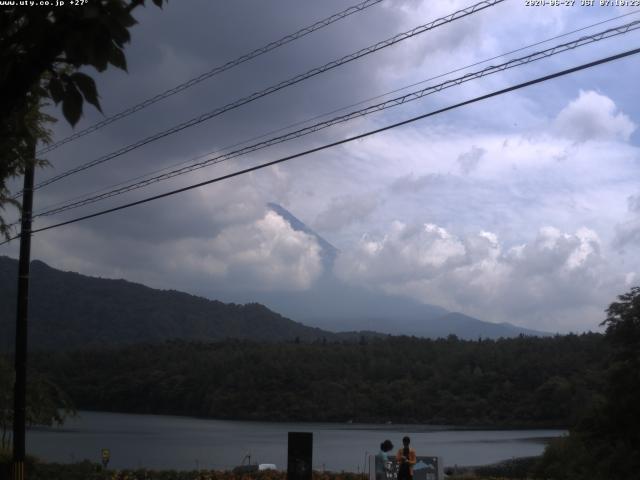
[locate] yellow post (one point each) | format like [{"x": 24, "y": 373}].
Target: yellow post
[{"x": 18, "y": 470}]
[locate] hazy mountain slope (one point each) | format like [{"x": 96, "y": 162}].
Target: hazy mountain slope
[
  {"x": 328, "y": 252},
  {"x": 466, "y": 327},
  {"x": 337, "y": 306},
  {"x": 71, "y": 310}
]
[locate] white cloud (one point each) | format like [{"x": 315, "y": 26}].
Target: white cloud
[
  {"x": 404, "y": 253},
  {"x": 540, "y": 284},
  {"x": 265, "y": 255},
  {"x": 208, "y": 240},
  {"x": 630, "y": 278},
  {"x": 345, "y": 210},
  {"x": 519, "y": 186},
  {"x": 593, "y": 116},
  {"x": 505, "y": 167}
]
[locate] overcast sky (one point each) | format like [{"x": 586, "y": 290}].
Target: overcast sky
[{"x": 522, "y": 208}]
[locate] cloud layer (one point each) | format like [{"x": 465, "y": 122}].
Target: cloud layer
[
  {"x": 521, "y": 208},
  {"x": 593, "y": 116},
  {"x": 543, "y": 282}
]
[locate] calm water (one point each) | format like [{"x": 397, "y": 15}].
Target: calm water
[{"x": 164, "y": 442}]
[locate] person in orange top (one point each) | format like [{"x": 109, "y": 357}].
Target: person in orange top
[{"x": 406, "y": 458}]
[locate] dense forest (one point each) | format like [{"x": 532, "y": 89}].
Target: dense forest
[
  {"x": 46, "y": 403},
  {"x": 603, "y": 444},
  {"x": 526, "y": 381},
  {"x": 589, "y": 382}
]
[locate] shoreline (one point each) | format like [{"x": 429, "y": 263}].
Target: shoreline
[
  {"x": 352, "y": 425},
  {"x": 166, "y": 442}
]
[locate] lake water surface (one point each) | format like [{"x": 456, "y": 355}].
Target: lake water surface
[{"x": 184, "y": 443}]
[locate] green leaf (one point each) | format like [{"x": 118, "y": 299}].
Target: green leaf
[
  {"x": 72, "y": 104},
  {"x": 98, "y": 59},
  {"x": 88, "y": 88},
  {"x": 55, "y": 89},
  {"x": 117, "y": 58},
  {"x": 98, "y": 46},
  {"x": 118, "y": 32},
  {"x": 125, "y": 19}
]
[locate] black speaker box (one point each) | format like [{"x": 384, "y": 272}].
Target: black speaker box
[{"x": 299, "y": 459}]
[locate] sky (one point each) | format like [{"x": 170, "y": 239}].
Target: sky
[{"x": 522, "y": 208}]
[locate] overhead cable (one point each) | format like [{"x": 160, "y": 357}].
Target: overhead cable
[
  {"x": 326, "y": 114},
  {"x": 409, "y": 97},
  {"x": 274, "y": 88},
  {"x": 214, "y": 71},
  {"x": 343, "y": 141}
]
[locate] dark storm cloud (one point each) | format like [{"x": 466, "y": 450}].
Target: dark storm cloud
[
  {"x": 185, "y": 40},
  {"x": 221, "y": 240}
]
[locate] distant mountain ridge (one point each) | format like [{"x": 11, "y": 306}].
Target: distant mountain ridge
[
  {"x": 69, "y": 310},
  {"x": 337, "y": 306},
  {"x": 328, "y": 252}
]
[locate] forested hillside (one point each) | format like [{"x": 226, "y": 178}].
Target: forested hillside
[
  {"x": 525, "y": 381},
  {"x": 69, "y": 310}
]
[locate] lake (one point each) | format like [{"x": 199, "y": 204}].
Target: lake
[{"x": 185, "y": 443}]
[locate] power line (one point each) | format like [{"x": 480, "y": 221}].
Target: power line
[
  {"x": 274, "y": 88},
  {"x": 215, "y": 71},
  {"x": 635, "y": 12},
  {"x": 346, "y": 140},
  {"x": 97, "y": 195},
  {"x": 409, "y": 97},
  {"x": 302, "y": 122}
]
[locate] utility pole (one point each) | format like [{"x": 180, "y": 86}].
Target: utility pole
[{"x": 20, "y": 386}]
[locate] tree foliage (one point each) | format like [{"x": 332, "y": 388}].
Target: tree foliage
[
  {"x": 87, "y": 470},
  {"x": 20, "y": 131},
  {"x": 46, "y": 403},
  {"x": 42, "y": 52},
  {"x": 605, "y": 443},
  {"x": 524, "y": 381},
  {"x": 68, "y": 310}
]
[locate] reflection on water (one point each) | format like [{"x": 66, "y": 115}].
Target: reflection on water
[{"x": 184, "y": 443}]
